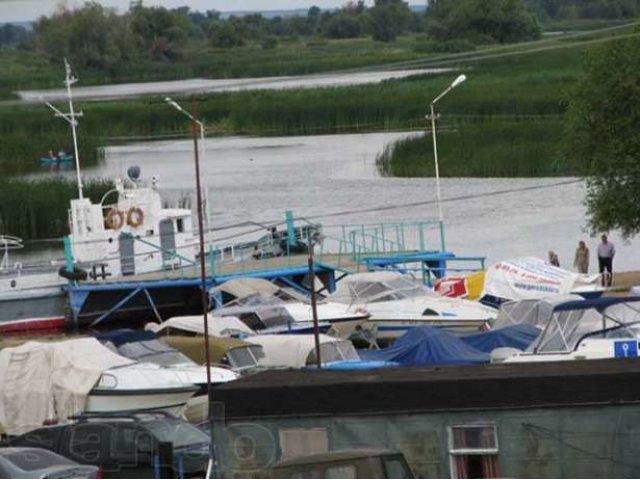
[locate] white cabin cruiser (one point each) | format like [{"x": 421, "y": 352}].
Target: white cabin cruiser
[
  {"x": 398, "y": 302},
  {"x": 581, "y": 329}
]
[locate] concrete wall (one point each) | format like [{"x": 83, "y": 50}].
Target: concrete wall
[{"x": 569, "y": 442}]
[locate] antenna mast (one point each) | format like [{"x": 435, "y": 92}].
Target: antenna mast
[{"x": 71, "y": 120}]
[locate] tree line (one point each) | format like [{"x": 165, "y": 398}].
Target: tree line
[{"x": 95, "y": 37}]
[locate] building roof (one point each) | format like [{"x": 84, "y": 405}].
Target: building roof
[{"x": 423, "y": 389}]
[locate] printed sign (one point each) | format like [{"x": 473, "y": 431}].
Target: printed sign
[{"x": 625, "y": 349}]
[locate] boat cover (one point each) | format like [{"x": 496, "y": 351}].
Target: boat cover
[
  {"x": 514, "y": 336},
  {"x": 428, "y": 346},
  {"x": 50, "y": 381},
  {"x": 218, "y": 326}
]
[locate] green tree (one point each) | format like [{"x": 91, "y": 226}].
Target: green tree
[
  {"x": 92, "y": 37},
  {"x": 343, "y": 25},
  {"x": 602, "y": 124},
  {"x": 389, "y": 18},
  {"x": 503, "y": 21},
  {"x": 162, "y": 31}
]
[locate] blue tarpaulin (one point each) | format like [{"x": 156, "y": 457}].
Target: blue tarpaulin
[
  {"x": 514, "y": 336},
  {"x": 428, "y": 346}
]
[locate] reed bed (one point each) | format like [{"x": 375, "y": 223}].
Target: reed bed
[{"x": 37, "y": 209}]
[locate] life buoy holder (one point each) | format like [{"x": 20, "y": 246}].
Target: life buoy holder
[
  {"x": 135, "y": 217},
  {"x": 114, "y": 219}
]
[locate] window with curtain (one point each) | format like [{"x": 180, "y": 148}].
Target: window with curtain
[{"x": 474, "y": 451}]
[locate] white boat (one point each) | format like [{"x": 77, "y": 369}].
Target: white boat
[
  {"x": 398, "y": 302},
  {"x": 579, "y": 329},
  {"x": 140, "y": 387},
  {"x": 268, "y": 308},
  {"x": 145, "y": 347},
  {"x": 32, "y": 297}
]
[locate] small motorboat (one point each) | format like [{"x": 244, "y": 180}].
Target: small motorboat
[
  {"x": 579, "y": 329},
  {"x": 56, "y": 159},
  {"x": 268, "y": 308},
  {"x": 145, "y": 347},
  {"x": 398, "y": 302}
]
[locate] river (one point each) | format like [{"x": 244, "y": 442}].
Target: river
[{"x": 257, "y": 179}]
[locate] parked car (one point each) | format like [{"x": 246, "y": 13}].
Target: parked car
[
  {"x": 124, "y": 446},
  {"x": 344, "y": 464},
  {"x": 41, "y": 463}
]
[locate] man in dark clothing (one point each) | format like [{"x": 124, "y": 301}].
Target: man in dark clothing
[{"x": 606, "y": 252}]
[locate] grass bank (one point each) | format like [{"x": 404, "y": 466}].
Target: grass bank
[{"x": 38, "y": 209}]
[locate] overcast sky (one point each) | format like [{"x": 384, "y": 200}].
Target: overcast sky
[{"x": 25, "y": 10}]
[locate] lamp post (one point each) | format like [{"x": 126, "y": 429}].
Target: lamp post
[
  {"x": 177, "y": 106},
  {"x": 453, "y": 85}
]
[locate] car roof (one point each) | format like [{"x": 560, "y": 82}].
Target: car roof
[{"x": 335, "y": 456}]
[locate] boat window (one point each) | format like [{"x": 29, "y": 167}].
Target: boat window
[
  {"x": 180, "y": 225},
  {"x": 251, "y": 320},
  {"x": 245, "y": 357},
  {"x": 430, "y": 312},
  {"x": 473, "y": 451},
  {"x": 334, "y": 352}
]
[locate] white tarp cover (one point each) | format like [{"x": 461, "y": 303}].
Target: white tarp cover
[
  {"x": 531, "y": 277},
  {"x": 50, "y": 381},
  {"x": 288, "y": 350},
  {"x": 218, "y": 326}
]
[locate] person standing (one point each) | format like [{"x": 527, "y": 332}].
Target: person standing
[
  {"x": 606, "y": 252},
  {"x": 553, "y": 259},
  {"x": 581, "y": 260}
]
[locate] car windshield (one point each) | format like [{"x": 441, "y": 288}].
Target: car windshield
[
  {"x": 181, "y": 434},
  {"x": 29, "y": 460}
]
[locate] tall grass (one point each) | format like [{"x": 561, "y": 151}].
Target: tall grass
[
  {"x": 38, "y": 209},
  {"x": 524, "y": 148}
]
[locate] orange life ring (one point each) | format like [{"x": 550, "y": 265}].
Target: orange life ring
[
  {"x": 114, "y": 219},
  {"x": 135, "y": 217}
]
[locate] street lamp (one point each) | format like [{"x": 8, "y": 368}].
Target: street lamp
[
  {"x": 177, "y": 106},
  {"x": 453, "y": 85}
]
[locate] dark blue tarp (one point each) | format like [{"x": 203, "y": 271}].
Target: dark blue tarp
[
  {"x": 514, "y": 336},
  {"x": 125, "y": 335},
  {"x": 428, "y": 346}
]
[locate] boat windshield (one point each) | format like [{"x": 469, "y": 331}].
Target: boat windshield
[
  {"x": 400, "y": 288},
  {"x": 154, "y": 351},
  {"x": 259, "y": 317},
  {"x": 243, "y": 358},
  {"x": 566, "y": 328},
  {"x": 334, "y": 352}
]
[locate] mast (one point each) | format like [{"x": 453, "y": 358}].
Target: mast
[{"x": 71, "y": 120}]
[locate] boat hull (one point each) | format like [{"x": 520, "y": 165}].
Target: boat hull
[
  {"x": 171, "y": 400},
  {"x": 33, "y": 312}
]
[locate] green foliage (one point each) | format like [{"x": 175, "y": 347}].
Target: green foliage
[
  {"x": 505, "y": 21},
  {"x": 603, "y": 121},
  {"x": 572, "y": 9},
  {"x": 389, "y": 18},
  {"x": 225, "y": 35},
  {"x": 91, "y": 37},
  {"x": 161, "y": 31},
  {"x": 482, "y": 149},
  {"x": 37, "y": 209},
  {"x": 343, "y": 26},
  {"x": 269, "y": 42}
]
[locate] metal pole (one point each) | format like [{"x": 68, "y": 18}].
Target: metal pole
[
  {"x": 69, "y": 80},
  {"x": 314, "y": 310},
  {"x": 203, "y": 275},
  {"x": 435, "y": 159},
  {"x": 206, "y": 189}
]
